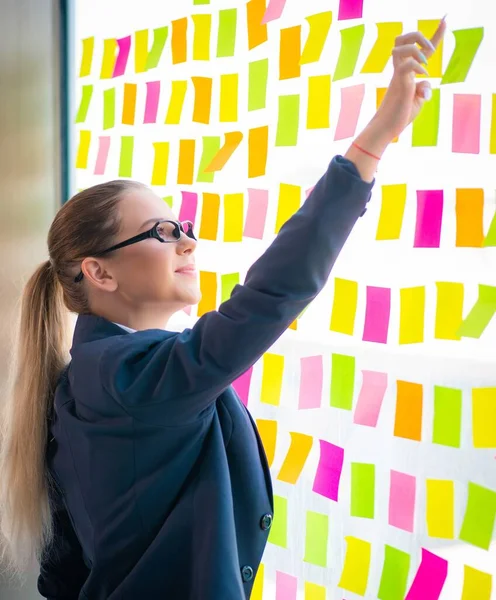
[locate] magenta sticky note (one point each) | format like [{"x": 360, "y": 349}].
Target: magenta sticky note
[
  {"x": 402, "y": 500},
  {"x": 189, "y": 205},
  {"x": 350, "y": 9},
  {"x": 242, "y": 386},
  {"x": 286, "y": 586},
  {"x": 328, "y": 474},
  {"x": 429, "y": 218},
  {"x": 429, "y": 579},
  {"x": 258, "y": 202},
  {"x": 466, "y": 123},
  {"x": 102, "y": 155},
  {"x": 351, "y": 105},
  {"x": 152, "y": 100},
  {"x": 312, "y": 373},
  {"x": 377, "y": 313},
  {"x": 368, "y": 407},
  {"x": 124, "y": 46},
  {"x": 273, "y": 10}
]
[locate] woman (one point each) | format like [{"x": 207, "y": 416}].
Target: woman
[{"x": 135, "y": 471}]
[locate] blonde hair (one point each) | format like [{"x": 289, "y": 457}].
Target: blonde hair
[{"x": 84, "y": 226}]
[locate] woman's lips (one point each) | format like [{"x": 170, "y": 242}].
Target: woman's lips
[{"x": 187, "y": 270}]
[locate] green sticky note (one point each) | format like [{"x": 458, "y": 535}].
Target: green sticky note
[
  {"x": 481, "y": 314},
  {"x": 211, "y": 145},
  {"x": 351, "y": 42},
  {"x": 109, "y": 108},
  {"x": 198, "y": 2},
  {"x": 394, "y": 578},
  {"x": 342, "y": 381},
  {"x": 447, "y": 416},
  {"x": 478, "y": 522},
  {"x": 426, "y": 125},
  {"x": 279, "y": 530},
  {"x": 362, "y": 490},
  {"x": 86, "y": 95},
  {"x": 288, "y": 120},
  {"x": 126, "y": 156},
  {"x": 490, "y": 239},
  {"x": 228, "y": 282},
  {"x": 169, "y": 200},
  {"x": 258, "y": 73},
  {"x": 159, "y": 38},
  {"x": 317, "y": 532},
  {"x": 467, "y": 42},
  {"x": 226, "y": 40}
]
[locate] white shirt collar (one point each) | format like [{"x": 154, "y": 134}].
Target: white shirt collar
[{"x": 128, "y": 329}]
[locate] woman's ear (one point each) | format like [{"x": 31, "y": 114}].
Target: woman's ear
[{"x": 96, "y": 272}]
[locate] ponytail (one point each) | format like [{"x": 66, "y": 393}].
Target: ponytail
[{"x": 42, "y": 351}]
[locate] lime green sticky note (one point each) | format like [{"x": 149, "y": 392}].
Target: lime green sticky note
[
  {"x": 394, "y": 577},
  {"x": 426, "y": 126},
  {"x": 279, "y": 530},
  {"x": 317, "y": 532},
  {"x": 109, "y": 108},
  {"x": 226, "y": 40},
  {"x": 478, "y": 522},
  {"x": 351, "y": 42},
  {"x": 481, "y": 314},
  {"x": 484, "y": 417},
  {"x": 84, "y": 104},
  {"x": 169, "y": 200},
  {"x": 126, "y": 156},
  {"x": 362, "y": 490},
  {"x": 258, "y": 73},
  {"x": 342, "y": 381},
  {"x": 447, "y": 416},
  {"x": 160, "y": 35},
  {"x": 288, "y": 120},
  {"x": 197, "y": 2},
  {"x": 211, "y": 145},
  {"x": 490, "y": 239},
  {"x": 467, "y": 42},
  {"x": 228, "y": 283}
]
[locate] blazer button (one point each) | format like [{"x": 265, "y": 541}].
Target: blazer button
[
  {"x": 247, "y": 573},
  {"x": 266, "y": 522}
]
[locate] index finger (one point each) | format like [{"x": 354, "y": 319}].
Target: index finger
[{"x": 438, "y": 36}]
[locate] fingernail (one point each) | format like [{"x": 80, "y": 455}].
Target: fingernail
[
  {"x": 422, "y": 57},
  {"x": 427, "y": 93},
  {"x": 444, "y": 18}
]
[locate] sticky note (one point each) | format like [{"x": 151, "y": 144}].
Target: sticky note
[
  {"x": 351, "y": 42},
  {"x": 186, "y": 163},
  {"x": 469, "y": 218},
  {"x": 179, "y": 43},
  {"x": 290, "y": 52},
  {"x": 202, "y": 25},
  {"x": 362, "y": 490},
  {"x": 102, "y": 156},
  {"x": 481, "y": 314},
  {"x": 273, "y": 370},
  {"x": 84, "y": 103},
  {"x": 279, "y": 531},
  {"x": 108, "y": 58},
  {"x": 126, "y": 156},
  {"x": 355, "y": 573},
  {"x": 447, "y": 416},
  {"x": 319, "y": 101},
  {"x": 200, "y": 2},
  {"x": 257, "y": 592},
  {"x": 381, "y": 51},
  {"x": 258, "y": 73},
  {"x": 320, "y": 25},
  {"x": 152, "y": 100},
  {"x": 160, "y": 35},
  {"x": 412, "y": 309},
  {"x": 313, "y": 591},
  {"x": 257, "y": 31},
  {"x": 409, "y": 403},
  {"x": 490, "y": 239},
  {"x": 349, "y": 112},
  {"x": 287, "y": 586},
  {"x": 466, "y": 123},
  {"x": 226, "y": 37},
  {"x": 210, "y": 216},
  {"x": 344, "y": 306},
  {"x": 394, "y": 576},
  {"x": 312, "y": 374},
  {"x": 268, "y": 434},
  {"x": 440, "y": 508},
  {"x": 83, "y": 149},
  {"x": 429, "y": 218},
  {"x": 449, "y": 310},
  {"x": 242, "y": 386},
  {"x": 478, "y": 522},
  {"x": 228, "y": 111},
  {"x": 425, "y": 130},
  {"x": 228, "y": 282},
  {"x": 342, "y": 381},
  {"x": 476, "y": 584},
  {"x": 189, "y": 205},
  {"x": 429, "y": 579},
  {"x": 328, "y": 475},
  {"x": 109, "y": 108},
  {"x": 258, "y": 203},
  {"x": 274, "y": 10},
  {"x": 258, "y": 140},
  {"x": 231, "y": 142},
  {"x": 140, "y": 50},
  {"x": 160, "y": 163},
  {"x": 129, "y": 103},
  {"x": 484, "y": 417},
  {"x": 296, "y": 457},
  {"x": 124, "y": 47},
  {"x": 368, "y": 408},
  {"x": 176, "y": 102},
  {"x": 88, "y": 47},
  {"x": 392, "y": 211},
  {"x": 492, "y": 134},
  {"x": 350, "y": 9},
  {"x": 317, "y": 532},
  {"x": 377, "y": 313},
  {"x": 208, "y": 287},
  {"x": 467, "y": 42},
  {"x": 288, "y": 204},
  {"x": 211, "y": 147},
  {"x": 170, "y": 200},
  {"x": 434, "y": 66},
  {"x": 203, "y": 99},
  {"x": 402, "y": 500},
  {"x": 233, "y": 217}
]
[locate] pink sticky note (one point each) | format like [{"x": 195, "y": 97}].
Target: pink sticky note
[
  {"x": 351, "y": 104},
  {"x": 311, "y": 382},
  {"x": 152, "y": 98},
  {"x": 286, "y": 586},
  {"x": 258, "y": 202},
  {"x": 350, "y": 9},
  {"x": 429, "y": 579},
  {"x": 124, "y": 45},
  {"x": 273, "y": 11},
  {"x": 374, "y": 385},
  {"x": 429, "y": 219},
  {"x": 189, "y": 205},
  {"x": 466, "y": 123},
  {"x": 377, "y": 315},
  {"x": 187, "y": 310},
  {"x": 242, "y": 386},
  {"x": 103, "y": 152},
  {"x": 328, "y": 474},
  {"x": 402, "y": 500}
]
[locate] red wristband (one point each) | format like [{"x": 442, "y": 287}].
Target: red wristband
[{"x": 366, "y": 151}]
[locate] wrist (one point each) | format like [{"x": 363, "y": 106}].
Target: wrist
[{"x": 374, "y": 138}]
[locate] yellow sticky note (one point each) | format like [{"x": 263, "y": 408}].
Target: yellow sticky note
[
  {"x": 129, "y": 103},
  {"x": 319, "y": 102},
  {"x": 289, "y": 203},
  {"x": 449, "y": 310},
  {"x": 344, "y": 306},
  {"x": 392, "y": 211},
  {"x": 87, "y": 56},
  {"x": 228, "y": 111},
  {"x": 201, "y": 39},
  {"x": 484, "y": 417},
  {"x": 210, "y": 216},
  {"x": 83, "y": 149},
  {"x": 233, "y": 217},
  {"x": 160, "y": 163},
  {"x": 267, "y": 429},
  {"x": 186, "y": 163},
  {"x": 258, "y": 141},
  {"x": 108, "y": 59},
  {"x": 440, "y": 511},
  {"x": 179, "y": 42},
  {"x": 176, "y": 102},
  {"x": 140, "y": 50},
  {"x": 296, "y": 457},
  {"x": 412, "y": 309},
  {"x": 477, "y": 585},
  {"x": 258, "y": 584},
  {"x": 355, "y": 574},
  {"x": 319, "y": 29},
  {"x": 273, "y": 369},
  {"x": 208, "y": 288},
  {"x": 203, "y": 99},
  {"x": 232, "y": 141},
  {"x": 313, "y": 591},
  {"x": 492, "y": 137},
  {"x": 381, "y": 51},
  {"x": 435, "y": 62}
]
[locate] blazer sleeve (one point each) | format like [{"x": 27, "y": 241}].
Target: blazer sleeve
[{"x": 182, "y": 374}]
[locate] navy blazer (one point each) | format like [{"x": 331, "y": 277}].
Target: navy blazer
[{"x": 161, "y": 485}]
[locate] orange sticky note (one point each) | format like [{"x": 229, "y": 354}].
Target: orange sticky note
[
  {"x": 289, "y": 203},
  {"x": 176, "y": 102},
  {"x": 257, "y": 31},
  {"x": 208, "y": 288},
  {"x": 273, "y": 370},
  {"x": 160, "y": 163},
  {"x": 186, "y": 164},
  {"x": 469, "y": 218},
  {"x": 210, "y": 216},
  {"x": 408, "y": 419},
  {"x": 381, "y": 92},
  {"x": 179, "y": 40},
  {"x": 268, "y": 434},
  {"x": 87, "y": 56},
  {"x": 232, "y": 141},
  {"x": 290, "y": 53},
  {"x": 129, "y": 103},
  {"x": 203, "y": 99},
  {"x": 233, "y": 217},
  {"x": 108, "y": 59},
  {"x": 228, "y": 111},
  {"x": 258, "y": 141},
  {"x": 296, "y": 457}
]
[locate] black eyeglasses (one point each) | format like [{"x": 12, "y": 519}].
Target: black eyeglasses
[{"x": 167, "y": 232}]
